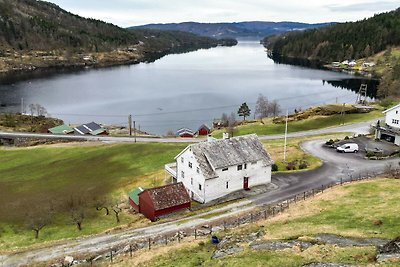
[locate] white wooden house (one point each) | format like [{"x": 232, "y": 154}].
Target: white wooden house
[
  {"x": 215, "y": 168},
  {"x": 390, "y": 130}
]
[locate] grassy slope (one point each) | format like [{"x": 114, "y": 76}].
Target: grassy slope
[
  {"x": 29, "y": 177},
  {"x": 350, "y": 210},
  {"x": 313, "y": 123}
]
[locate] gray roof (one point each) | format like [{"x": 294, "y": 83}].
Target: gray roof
[{"x": 229, "y": 152}]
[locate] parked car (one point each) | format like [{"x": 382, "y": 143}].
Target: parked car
[{"x": 348, "y": 148}]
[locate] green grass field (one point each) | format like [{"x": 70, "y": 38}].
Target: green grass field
[
  {"x": 270, "y": 128},
  {"x": 32, "y": 177},
  {"x": 349, "y": 210}
]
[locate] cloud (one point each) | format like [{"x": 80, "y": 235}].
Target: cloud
[
  {"x": 136, "y": 12},
  {"x": 365, "y": 6}
]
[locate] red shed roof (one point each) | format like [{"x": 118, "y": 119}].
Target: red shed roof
[{"x": 168, "y": 196}]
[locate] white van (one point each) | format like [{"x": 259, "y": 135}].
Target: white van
[{"x": 348, "y": 148}]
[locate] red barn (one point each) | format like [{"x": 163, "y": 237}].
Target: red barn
[
  {"x": 203, "y": 130},
  {"x": 134, "y": 198},
  {"x": 158, "y": 201}
]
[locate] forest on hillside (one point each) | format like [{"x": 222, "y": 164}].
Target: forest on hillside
[
  {"x": 347, "y": 41},
  {"x": 27, "y": 25},
  {"x": 351, "y": 40}
]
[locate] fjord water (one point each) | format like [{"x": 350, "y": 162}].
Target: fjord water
[{"x": 180, "y": 90}]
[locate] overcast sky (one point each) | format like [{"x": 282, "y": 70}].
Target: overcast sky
[{"x": 137, "y": 12}]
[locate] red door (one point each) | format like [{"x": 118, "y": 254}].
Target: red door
[{"x": 245, "y": 183}]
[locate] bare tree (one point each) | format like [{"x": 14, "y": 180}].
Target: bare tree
[
  {"x": 76, "y": 209},
  {"x": 262, "y": 107},
  {"x": 102, "y": 204},
  {"x": 37, "y": 219},
  {"x": 224, "y": 119},
  {"x": 231, "y": 124},
  {"x": 32, "y": 109},
  {"x": 274, "y": 108},
  {"x": 117, "y": 209}
]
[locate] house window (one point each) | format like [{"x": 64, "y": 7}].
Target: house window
[
  {"x": 200, "y": 187},
  {"x": 254, "y": 162},
  {"x": 182, "y": 159},
  {"x": 198, "y": 170},
  {"x": 397, "y": 112},
  {"x": 191, "y": 181},
  {"x": 239, "y": 167},
  {"x": 190, "y": 165},
  {"x": 182, "y": 174},
  {"x": 227, "y": 185},
  {"x": 224, "y": 169},
  {"x": 245, "y": 165},
  {"x": 394, "y": 121}
]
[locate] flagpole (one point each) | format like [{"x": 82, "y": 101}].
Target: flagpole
[{"x": 284, "y": 148}]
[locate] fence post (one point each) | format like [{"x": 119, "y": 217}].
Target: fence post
[
  {"x": 295, "y": 199},
  {"x": 304, "y": 196},
  {"x": 179, "y": 237},
  {"x": 273, "y": 210},
  {"x": 265, "y": 214},
  {"x": 322, "y": 188},
  {"x": 149, "y": 243},
  {"x": 224, "y": 225},
  {"x": 210, "y": 229},
  {"x": 130, "y": 250},
  {"x": 251, "y": 217},
  {"x": 313, "y": 192},
  {"x": 111, "y": 256},
  {"x": 166, "y": 240},
  {"x": 288, "y": 203},
  {"x": 195, "y": 233}
]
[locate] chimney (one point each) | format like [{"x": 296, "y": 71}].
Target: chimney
[{"x": 225, "y": 136}]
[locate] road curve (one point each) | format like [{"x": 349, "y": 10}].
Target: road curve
[{"x": 335, "y": 166}]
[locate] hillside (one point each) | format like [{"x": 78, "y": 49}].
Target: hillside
[
  {"x": 40, "y": 34},
  {"x": 344, "y": 226},
  {"x": 373, "y": 40},
  {"x": 258, "y": 29},
  {"x": 341, "y": 41}
]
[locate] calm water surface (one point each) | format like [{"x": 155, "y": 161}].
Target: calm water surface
[{"x": 176, "y": 91}]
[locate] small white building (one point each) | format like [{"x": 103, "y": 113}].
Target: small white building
[
  {"x": 215, "y": 168},
  {"x": 390, "y": 131}
]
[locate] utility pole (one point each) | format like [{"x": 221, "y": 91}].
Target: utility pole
[
  {"x": 342, "y": 114},
  {"x": 22, "y": 105},
  {"x": 130, "y": 124},
  {"x": 134, "y": 129},
  {"x": 284, "y": 147}
]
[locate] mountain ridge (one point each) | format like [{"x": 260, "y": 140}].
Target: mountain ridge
[{"x": 258, "y": 29}]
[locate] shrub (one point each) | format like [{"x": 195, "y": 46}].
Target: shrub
[
  {"x": 291, "y": 166},
  {"x": 329, "y": 142},
  {"x": 303, "y": 165},
  {"x": 274, "y": 167},
  {"x": 346, "y": 138}
]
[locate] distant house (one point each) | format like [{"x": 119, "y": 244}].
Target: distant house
[
  {"x": 134, "y": 198},
  {"x": 155, "y": 202},
  {"x": 390, "y": 131},
  {"x": 203, "y": 130},
  {"x": 185, "y": 132},
  {"x": 61, "y": 129},
  {"x": 215, "y": 168},
  {"x": 219, "y": 123},
  {"x": 352, "y": 63},
  {"x": 91, "y": 128}
]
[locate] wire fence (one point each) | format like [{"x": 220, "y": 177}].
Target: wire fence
[{"x": 258, "y": 214}]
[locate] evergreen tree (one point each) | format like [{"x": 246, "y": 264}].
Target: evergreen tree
[{"x": 244, "y": 111}]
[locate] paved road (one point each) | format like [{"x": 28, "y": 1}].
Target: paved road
[
  {"x": 335, "y": 166},
  {"x": 362, "y": 127}
]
